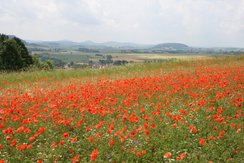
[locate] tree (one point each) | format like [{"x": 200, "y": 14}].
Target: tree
[
  {"x": 13, "y": 54},
  {"x": 10, "y": 57},
  {"x": 109, "y": 59},
  {"x": 38, "y": 64},
  {"x": 25, "y": 57}
]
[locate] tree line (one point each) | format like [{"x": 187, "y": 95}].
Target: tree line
[{"x": 14, "y": 55}]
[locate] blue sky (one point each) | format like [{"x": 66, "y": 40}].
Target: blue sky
[{"x": 193, "y": 22}]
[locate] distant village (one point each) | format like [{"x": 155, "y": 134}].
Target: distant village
[{"x": 103, "y": 62}]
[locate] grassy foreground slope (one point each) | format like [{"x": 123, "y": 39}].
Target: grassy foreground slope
[
  {"x": 137, "y": 69},
  {"x": 179, "y": 110}
]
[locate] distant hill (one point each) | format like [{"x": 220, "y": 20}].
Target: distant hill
[
  {"x": 64, "y": 44},
  {"x": 176, "y": 46},
  {"x": 124, "y": 47}
]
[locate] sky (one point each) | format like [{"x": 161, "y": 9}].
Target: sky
[{"x": 206, "y": 23}]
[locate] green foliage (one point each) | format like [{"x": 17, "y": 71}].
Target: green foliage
[
  {"x": 60, "y": 59},
  {"x": 39, "y": 65},
  {"x": 25, "y": 57},
  {"x": 10, "y": 57},
  {"x": 13, "y": 54},
  {"x": 109, "y": 58}
]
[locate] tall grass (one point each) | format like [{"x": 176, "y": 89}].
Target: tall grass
[{"x": 130, "y": 70}]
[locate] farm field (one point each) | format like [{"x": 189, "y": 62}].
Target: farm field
[
  {"x": 137, "y": 57},
  {"x": 85, "y": 57},
  {"x": 179, "y": 110},
  {"x": 175, "y": 56}
]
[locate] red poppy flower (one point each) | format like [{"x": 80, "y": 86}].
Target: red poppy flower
[
  {"x": 181, "y": 156},
  {"x": 167, "y": 155},
  {"x": 73, "y": 140},
  {"x": 66, "y": 135},
  {"x": 202, "y": 141},
  {"x": 111, "y": 142},
  {"x": 94, "y": 154}
]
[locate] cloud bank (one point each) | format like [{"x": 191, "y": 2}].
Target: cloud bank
[{"x": 194, "y": 22}]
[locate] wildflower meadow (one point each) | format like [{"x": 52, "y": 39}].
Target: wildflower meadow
[{"x": 190, "y": 111}]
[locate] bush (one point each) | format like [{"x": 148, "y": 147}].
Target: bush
[{"x": 39, "y": 65}]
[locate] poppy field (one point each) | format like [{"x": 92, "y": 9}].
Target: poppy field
[{"x": 190, "y": 111}]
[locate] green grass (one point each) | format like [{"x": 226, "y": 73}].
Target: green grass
[{"x": 129, "y": 70}]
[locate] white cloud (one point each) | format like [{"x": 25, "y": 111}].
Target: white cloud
[{"x": 195, "y": 22}]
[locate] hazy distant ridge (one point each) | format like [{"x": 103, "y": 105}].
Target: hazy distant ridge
[
  {"x": 109, "y": 44},
  {"x": 177, "y": 46},
  {"x": 123, "y": 46}
]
